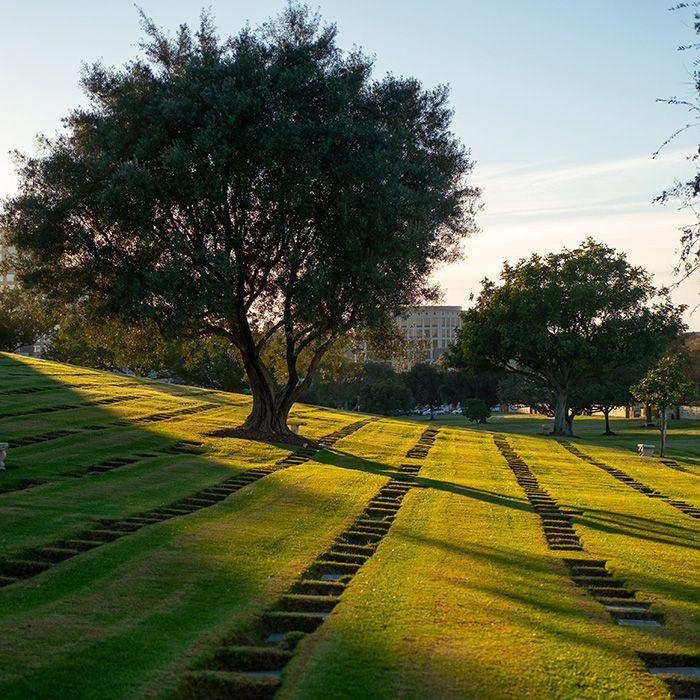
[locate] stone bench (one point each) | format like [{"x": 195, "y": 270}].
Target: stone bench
[{"x": 645, "y": 450}]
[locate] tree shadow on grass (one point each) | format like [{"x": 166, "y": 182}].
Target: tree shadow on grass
[
  {"x": 544, "y": 573},
  {"x": 529, "y": 611},
  {"x": 615, "y": 523},
  {"x": 349, "y": 461},
  {"x": 609, "y": 522}
]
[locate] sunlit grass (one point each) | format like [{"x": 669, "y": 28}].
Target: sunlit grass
[{"x": 462, "y": 599}]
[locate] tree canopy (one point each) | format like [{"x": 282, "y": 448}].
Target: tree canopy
[
  {"x": 567, "y": 319},
  {"x": 111, "y": 343},
  {"x": 686, "y": 192},
  {"x": 264, "y": 188},
  {"x": 425, "y": 382},
  {"x": 663, "y": 386},
  {"x": 24, "y": 318}
]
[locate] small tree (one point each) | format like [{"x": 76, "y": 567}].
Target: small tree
[
  {"x": 567, "y": 319},
  {"x": 211, "y": 362},
  {"x": 107, "y": 342},
  {"x": 663, "y": 386},
  {"x": 613, "y": 390},
  {"x": 475, "y": 410}
]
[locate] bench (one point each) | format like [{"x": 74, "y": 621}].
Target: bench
[
  {"x": 3, "y": 453},
  {"x": 294, "y": 425},
  {"x": 645, "y": 450}
]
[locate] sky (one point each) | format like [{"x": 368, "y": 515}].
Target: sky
[{"x": 557, "y": 101}]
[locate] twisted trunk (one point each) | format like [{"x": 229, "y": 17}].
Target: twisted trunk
[
  {"x": 606, "y": 413},
  {"x": 271, "y": 407},
  {"x": 562, "y": 424},
  {"x": 272, "y": 402}
]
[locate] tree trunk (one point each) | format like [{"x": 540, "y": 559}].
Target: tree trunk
[
  {"x": 269, "y": 413},
  {"x": 662, "y": 451},
  {"x": 647, "y": 416},
  {"x": 606, "y": 413},
  {"x": 570, "y": 415},
  {"x": 561, "y": 424}
]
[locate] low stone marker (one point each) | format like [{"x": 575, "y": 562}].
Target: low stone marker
[
  {"x": 645, "y": 450},
  {"x": 3, "y": 453}
]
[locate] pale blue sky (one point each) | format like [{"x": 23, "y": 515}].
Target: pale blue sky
[{"x": 556, "y": 99}]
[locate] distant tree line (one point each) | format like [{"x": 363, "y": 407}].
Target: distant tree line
[{"x": 376, "y": 387}]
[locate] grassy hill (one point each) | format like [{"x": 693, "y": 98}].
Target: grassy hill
[{"x": 142, "y": 558}]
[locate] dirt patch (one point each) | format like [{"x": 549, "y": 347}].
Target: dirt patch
[{"x": 268, "y": 438}]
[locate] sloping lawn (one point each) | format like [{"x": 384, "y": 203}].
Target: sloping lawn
[{"x": 462, "y": 597}]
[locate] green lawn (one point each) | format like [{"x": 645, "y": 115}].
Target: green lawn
[{"x": 461, "y": 598}]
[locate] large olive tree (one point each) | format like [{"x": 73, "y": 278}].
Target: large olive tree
[{"x": 264, "y": 188}]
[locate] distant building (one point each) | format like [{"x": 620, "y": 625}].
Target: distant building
[{"x": 428, "y": 332}]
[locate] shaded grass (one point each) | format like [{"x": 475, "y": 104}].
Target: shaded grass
[{"x": 462, "y": 598}]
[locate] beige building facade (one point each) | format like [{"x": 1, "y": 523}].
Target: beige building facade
[{"x": 428, "y": 332}]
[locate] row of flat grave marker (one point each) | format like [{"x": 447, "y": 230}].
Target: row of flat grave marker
[
  {"x": 61, "y": 387},
  {"x": 425, "y": 442},
  {"x": 107, "y": 401},
  {"x": 591, "y": 574},
  {"x": 613, "y": 593},
  {"x": 556, "y": 523},
  {"x": 648, "y": 491},
  {"x": 122, "y": 422},
  {"x": 679, "y": 672},
  {"x": 250, "y": 665},
  {"x": 330, "y": 439},
  {"x": 32, "y": 562},
  {"x": 30, "y": 390},
  {"x": 109, "y": 464},
  {"x": 169, "y": 415},
  {"x": 674, "y": 465}
]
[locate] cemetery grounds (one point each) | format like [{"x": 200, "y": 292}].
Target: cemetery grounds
[{"x": 143, "y": 557}]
